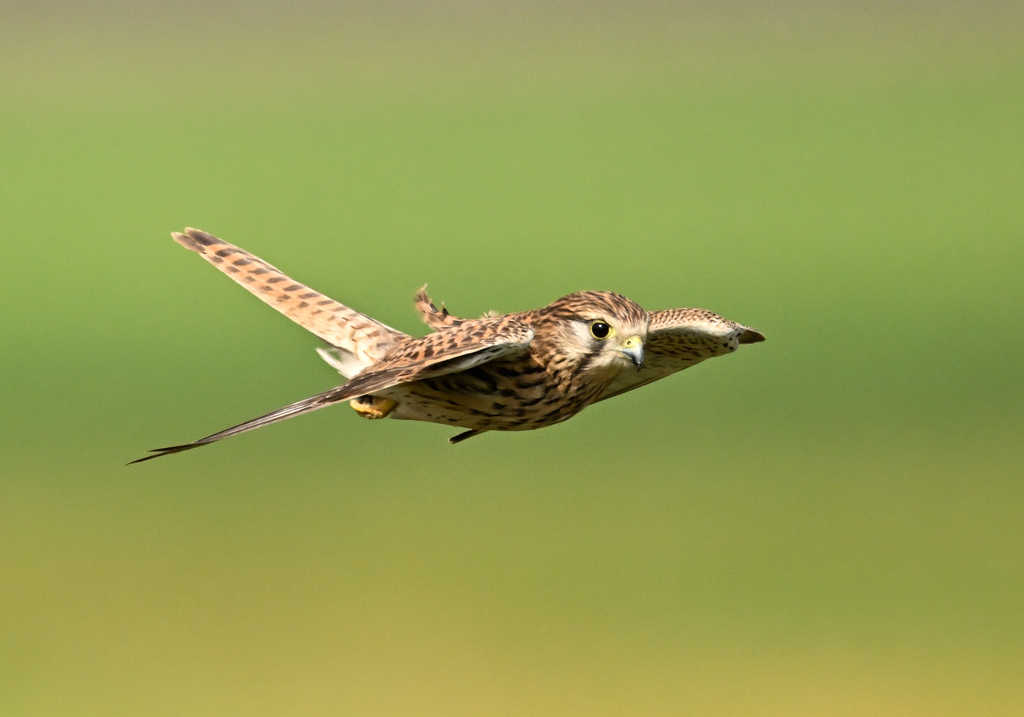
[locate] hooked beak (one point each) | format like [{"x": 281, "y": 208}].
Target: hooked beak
[{"x": 633, "y": 349}]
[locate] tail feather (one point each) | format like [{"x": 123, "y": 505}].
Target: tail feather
[{"x": 366, "y": 339}]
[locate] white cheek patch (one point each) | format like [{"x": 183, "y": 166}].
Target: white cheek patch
[{"x": 581, "y": 332}]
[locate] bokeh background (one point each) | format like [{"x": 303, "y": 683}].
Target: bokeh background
[{"x": 829, "y": 523}]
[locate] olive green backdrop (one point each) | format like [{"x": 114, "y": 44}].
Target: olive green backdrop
[{"x": 826, "y": 523}]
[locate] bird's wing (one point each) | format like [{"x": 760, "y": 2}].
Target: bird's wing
[
  {"x": 475, "y": 343},
  {"x": 678, "y": 339},
  {"x": 432, "y": 317},
  {"x": 361, "y": 339},
  {"x": 440, "y": 319}
]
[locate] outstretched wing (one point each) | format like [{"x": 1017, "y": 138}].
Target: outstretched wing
[
  {"x": 459, "y": 349},
  {"x": 678, "y": 339},
  {"x": 361, "y": 339}
]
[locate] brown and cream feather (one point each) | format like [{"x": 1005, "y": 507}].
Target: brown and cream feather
[
  {"x": 364, "y": 340},
  {"x": 499, "y": 373}
]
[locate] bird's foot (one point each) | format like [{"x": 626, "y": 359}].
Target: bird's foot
[{"x": 373, "y": 407}]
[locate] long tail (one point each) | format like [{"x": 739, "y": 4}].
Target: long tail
[{"x": 365, "y": 339}]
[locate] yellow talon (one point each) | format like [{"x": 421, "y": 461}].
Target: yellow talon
[{"x": 373, "y": 407}]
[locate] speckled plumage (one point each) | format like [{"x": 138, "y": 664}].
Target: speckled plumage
[{"x": 498, "y": 373}]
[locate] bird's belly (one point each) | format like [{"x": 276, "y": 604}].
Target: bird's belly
[{"x": 484, "y": 400}]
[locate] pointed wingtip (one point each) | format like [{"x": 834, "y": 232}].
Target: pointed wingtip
[
  {"x": 161, "y": 452},
  {"x": 751, "y": 336}
]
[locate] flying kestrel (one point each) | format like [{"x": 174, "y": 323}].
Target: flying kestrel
[{"x": 514, "y": 372}]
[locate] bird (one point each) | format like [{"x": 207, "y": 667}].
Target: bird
[{"x": 502, "y": 372}]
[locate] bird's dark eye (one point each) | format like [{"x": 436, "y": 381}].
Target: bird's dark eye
[{"x": 600, "y": 330}]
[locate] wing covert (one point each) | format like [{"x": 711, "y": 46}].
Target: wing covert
[
  {"x": 459, "y": 349},
  {"x": 678, "y": 339}
]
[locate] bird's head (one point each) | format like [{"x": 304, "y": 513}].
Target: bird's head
[{"x": 598, "y": 329}]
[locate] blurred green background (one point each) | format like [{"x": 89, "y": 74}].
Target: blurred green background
[{"x": 831, "y": 522}]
